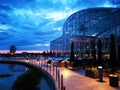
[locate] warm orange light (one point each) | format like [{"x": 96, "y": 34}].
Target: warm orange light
[{"x": 66, "y": 73}]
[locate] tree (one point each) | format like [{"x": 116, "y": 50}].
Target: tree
[
  {"x": 119, "y": 55},
  {"x": 112, "y": 53},
  {"x": 93, "y": 60},
  {"x": 72, "y": 52},
  {"x": 100, "y": 62},
  {"x": 12, "y": 50},
  {"x": 93, "y": 50}
]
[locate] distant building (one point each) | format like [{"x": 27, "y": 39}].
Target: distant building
[
  {"x": 85, "y": 27},
  {"x": 57, "y": 45}
]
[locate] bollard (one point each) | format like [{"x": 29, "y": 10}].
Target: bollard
[
  {"x": 50, "y": 68},
  {"x": 61, "y": 82},
  {"x": 47, "y": 67},
  {"x": 64, "y": 88},
  {"x": 58, "y": 78},
  {"x": 40, "y": 63},
  {"x": 44, "y": 63},
  {"x": 53, "y": 70},
  {"x": 56, "y": 73}
]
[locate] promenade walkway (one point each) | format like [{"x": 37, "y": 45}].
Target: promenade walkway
[{"x": 76, "y": 80}]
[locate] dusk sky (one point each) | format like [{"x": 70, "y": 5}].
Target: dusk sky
[{"x": 32, "y": 24}]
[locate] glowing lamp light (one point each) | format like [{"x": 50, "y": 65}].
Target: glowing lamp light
[
  {"x": 99, "y": 67},
  {"x": 49, "y": 64}
]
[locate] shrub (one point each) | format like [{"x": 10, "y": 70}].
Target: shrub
[
  {"x": 28, "y": 81},
  {"x": 91, "y": 72}
]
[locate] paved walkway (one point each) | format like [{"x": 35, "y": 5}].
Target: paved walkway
[{"x": 76, "y": 80}]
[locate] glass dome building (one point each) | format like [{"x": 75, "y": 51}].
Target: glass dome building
[{"x": 85, "y": 27}]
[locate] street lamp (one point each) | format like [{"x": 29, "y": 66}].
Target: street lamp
[{"x": 100, "y": 73}]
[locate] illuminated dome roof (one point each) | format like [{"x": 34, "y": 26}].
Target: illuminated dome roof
[{"x": 93, "y": 22}]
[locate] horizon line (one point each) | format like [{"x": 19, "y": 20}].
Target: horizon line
[{"x": 20, "y": 51}]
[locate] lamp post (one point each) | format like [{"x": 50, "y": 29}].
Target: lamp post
[{"x": 100, "y": 73}]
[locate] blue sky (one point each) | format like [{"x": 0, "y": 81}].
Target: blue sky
[{"x": 32, "y": 24}]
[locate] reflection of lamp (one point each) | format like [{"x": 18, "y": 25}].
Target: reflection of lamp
[{"x": 100, "y": 74}]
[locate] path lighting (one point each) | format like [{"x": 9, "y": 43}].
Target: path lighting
[
  {"x": 100, "y": 73},
  {"x": 99, "y": 67}
]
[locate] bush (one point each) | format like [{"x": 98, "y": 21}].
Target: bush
[
  {"x": 49, "y": 62},
  {"x": 92, "y": 72},
  {"x": 28, "y": 81}
]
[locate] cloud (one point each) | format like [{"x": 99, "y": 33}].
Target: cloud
[
  {"x": 4, "y": 27},
  {"x": 5, "y": 7},
  {"x": 116, "y": 2},
  {"x": 4, "y": 36},
  {"x": 32, "y": 24},
  {"x": 58, "y": 15},
  {"x": 108, "y": 4}
]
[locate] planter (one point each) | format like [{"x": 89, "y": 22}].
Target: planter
[
  {"x": 92, "y": 74},
  {"x": 113, "y": 80}
]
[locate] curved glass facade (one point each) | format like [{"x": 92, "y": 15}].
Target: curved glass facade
[{"x": 87, "y": 26}]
